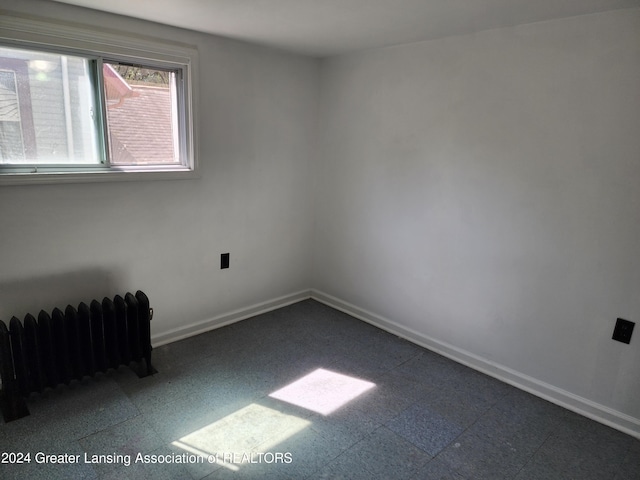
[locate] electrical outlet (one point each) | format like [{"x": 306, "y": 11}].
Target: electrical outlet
[
  {"x": 623, "y": 330},
  {"x": 224, "y": 260}
]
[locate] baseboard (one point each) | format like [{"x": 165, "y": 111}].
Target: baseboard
[
  {"x": 228, "y": 318},
  {"x": 563, "y": 398}
]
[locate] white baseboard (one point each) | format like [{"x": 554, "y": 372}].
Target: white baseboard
[
  {"x": 563, "y": 398},
  {"x": 228, "y": 318}
]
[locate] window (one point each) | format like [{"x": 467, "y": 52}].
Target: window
[{"x": 80, "y": 105}]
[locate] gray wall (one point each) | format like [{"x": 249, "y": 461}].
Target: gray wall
[
  {"x": 482, "y": 191},
  {"x": 257, "y": 117}
]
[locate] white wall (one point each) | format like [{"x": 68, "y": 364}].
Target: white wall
[
  {"x": 257, "y": 118},
  {"x": 483, "y": 192}
]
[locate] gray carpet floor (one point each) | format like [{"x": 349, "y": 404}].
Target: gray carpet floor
[{"x": 306, "y": 392}]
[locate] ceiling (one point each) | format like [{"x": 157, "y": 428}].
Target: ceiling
[{"x": 329, "y": 27}]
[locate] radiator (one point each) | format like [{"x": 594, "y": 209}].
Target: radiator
[{"x": 64, "y": 346}]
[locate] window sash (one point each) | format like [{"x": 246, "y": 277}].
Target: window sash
[{"x": 176, "y": 120}]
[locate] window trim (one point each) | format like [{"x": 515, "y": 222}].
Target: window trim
[{"x": 73, "y": 39}]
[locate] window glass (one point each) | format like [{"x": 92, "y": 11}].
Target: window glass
[
  {"x": 47, "y": 109},
  {"x": 141, "y": 114}
]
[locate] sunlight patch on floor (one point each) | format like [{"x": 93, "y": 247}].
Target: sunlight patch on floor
[
  {"x": 323, "y": 391},
  {"x": 242, "y": 432}
]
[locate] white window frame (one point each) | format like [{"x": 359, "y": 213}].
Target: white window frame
[{"x": 54, "y": 37}]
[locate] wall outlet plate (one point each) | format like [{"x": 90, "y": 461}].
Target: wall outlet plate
[{"x": 623, "y": 330}]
